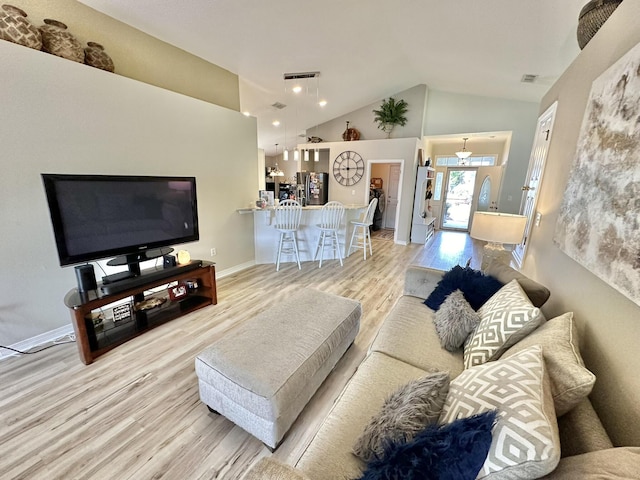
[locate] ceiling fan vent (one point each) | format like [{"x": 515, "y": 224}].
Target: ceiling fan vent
[
  {"x": 278, "y": 105},
  {"x": 529, "y": 78}
]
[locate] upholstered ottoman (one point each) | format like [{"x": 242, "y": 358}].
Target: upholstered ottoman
[{"x": 262, "y": 374}]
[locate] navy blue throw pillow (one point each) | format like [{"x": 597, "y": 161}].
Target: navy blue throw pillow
[
  {"x": 455, "y": 451},
  {"x": 476, "y": 287}
]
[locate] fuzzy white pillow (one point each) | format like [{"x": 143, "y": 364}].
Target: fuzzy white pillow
[{"x": 455, "y": 320}]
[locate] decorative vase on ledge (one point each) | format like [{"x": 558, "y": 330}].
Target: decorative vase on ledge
[
  {"x": 14, "y": 27},
  {"x": 57, "y": 41},
  {"x": 95, "y": 56},
  {"x": 592, "y": 17}
]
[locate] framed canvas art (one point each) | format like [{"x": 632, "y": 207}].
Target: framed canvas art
[{"x": 599, "y": 221}]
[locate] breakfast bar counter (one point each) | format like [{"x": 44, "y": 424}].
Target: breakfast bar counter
[{"x": 266, "y": 236}]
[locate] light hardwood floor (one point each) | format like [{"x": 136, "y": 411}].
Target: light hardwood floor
[{"x": 135, "y": 412}]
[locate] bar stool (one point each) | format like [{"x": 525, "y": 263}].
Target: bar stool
[
  {"x": 288, "y": 214},
  {"x": 330, "y": 219},
  {"x": 361, "y": 230}
]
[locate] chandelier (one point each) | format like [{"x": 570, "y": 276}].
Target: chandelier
[{"x": 464, "y": 153}]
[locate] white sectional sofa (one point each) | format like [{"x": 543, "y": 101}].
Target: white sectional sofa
[{"x": 407, "y": 347}]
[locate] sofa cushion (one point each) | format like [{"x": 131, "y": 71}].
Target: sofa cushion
[
  {"x": 537, "y": 293},
  {"x": 622, "y": 463},
  {"x": 525, "y": 439},
  {"x": 454, "y": 321},
  {"x": 571, "y": 382},
  {"x": 329, "y": 455},
  {"x": 449, "y": 452},
  {"x": 507, "y": 317},
  {"x": 475, "y": 285},
  {"x": 408, "y": 334},
  {"x": 406, "y": 412}
]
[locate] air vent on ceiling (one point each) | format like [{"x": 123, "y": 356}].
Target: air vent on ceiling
[
  {"x": 278, "y": 105},
  {"x": 529, "y": 78},
  {"x": 297, "y": 76}
]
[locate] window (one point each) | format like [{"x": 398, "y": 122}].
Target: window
[{"x": 472, "y": 161}]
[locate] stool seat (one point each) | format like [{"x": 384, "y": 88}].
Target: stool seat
[
  {"x": 287, "y": 222},
  {"x": 330, "y": 220},
  {"x": 361, "y": 230}
]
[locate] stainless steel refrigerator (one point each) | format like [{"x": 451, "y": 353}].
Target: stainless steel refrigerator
[{"x": 315, "y": 186}]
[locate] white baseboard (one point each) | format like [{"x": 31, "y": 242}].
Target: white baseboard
[
  {"x": 234, "y": 269},
  {"x": 42, "y": 339}
]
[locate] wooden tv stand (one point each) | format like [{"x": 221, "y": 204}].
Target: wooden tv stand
[{"x": 100, "y": 320}]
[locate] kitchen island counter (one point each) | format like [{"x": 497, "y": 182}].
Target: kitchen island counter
[{"x": 266, "y": 236}]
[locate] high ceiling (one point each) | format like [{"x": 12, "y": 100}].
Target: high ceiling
[{"x": 365, "y": 49}]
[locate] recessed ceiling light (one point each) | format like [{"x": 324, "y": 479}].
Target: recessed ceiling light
[
  {"x": 246, "y": 114},
  {"x": 322, "y": 103},
  {"x": 297, "y": 89},
  {"x": 276, "y": 123}
]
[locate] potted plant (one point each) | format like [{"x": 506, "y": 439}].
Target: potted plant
[{"x": 390, "y": 114}]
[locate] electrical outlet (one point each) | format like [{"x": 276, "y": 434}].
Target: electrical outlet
[
  {"x": 538, "y": 219},
  {"x": 213, "y": 252}
]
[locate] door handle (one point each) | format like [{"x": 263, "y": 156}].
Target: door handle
[{"x": 526, "y": 188}]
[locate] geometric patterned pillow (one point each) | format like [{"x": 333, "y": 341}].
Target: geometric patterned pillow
[
  {"x": 507, "y": 317},
  {"x": 571, "y": 381},
  {"x": 525, "y": 439}
]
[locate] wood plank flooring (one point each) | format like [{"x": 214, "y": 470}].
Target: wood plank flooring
[{"x": 135, "y": 412}]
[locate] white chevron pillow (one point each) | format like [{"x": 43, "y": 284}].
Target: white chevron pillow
[
  {"x": 525, "y": 438},
  {"x": 506, "y": 318}
]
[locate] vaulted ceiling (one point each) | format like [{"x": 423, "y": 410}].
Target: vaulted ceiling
[{"x": 365, "y": 50}]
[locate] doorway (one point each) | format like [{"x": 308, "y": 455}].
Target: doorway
[
  {"x": 385, "y": 179},
  {"x": 458, "y": 198}
]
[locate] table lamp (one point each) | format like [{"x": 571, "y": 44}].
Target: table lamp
[{"x": 497, "y": 229}]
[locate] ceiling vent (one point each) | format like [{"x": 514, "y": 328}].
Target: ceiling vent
[
  {"x": 301, "y": 75},
  {"x": 278, "y": 105},
  {"x": 529, "y": 78}
]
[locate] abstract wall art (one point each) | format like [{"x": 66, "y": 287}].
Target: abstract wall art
[{"x": 599, "y": 221}]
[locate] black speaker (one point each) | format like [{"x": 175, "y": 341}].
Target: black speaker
[
  {"x": 86, "y": 278},
  {"x": 168, "y": 261}
]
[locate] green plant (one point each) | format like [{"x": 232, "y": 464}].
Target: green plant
[{"x": 390, "y": 114}]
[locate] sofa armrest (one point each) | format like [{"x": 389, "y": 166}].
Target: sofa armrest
[
  {"x": 269, "y": 468},
  {"x": 420, "y": 281},
  {"x": 581, "y": 431}
]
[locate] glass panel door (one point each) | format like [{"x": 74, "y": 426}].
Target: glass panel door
[{"x": 458, "y": 198}]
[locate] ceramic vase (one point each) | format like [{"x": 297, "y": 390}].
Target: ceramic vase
[
  {"x": 14, "y": 27},
  {"x": 58, "y": 41},
  {"x": 95, "y": 56}
]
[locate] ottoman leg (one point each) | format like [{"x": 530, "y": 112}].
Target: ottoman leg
[{"x": 212, "y": 410}]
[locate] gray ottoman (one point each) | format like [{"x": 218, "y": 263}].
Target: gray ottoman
[{"x": 263, "y": 373}]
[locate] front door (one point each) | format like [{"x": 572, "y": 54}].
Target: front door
[
  {"x": 458, "y": 198},
  {"x": 392, "y": 197}
]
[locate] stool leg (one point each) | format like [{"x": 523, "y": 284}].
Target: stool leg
[
  {"x": 337, "y": 246},
  {"x": 318, "y": 244},
  {"x": 370, "y": 244},
  {"x": 353, "y": 234},
  {"x": 322, "y": 248},
  {"x": 279, "y": 251},
  {"x": 295, "y": 247}
]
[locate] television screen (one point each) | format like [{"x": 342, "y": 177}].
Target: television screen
[{"x": 98, "y": 216}]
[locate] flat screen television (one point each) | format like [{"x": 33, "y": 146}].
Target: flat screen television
[{"x": 135, "y": 218}]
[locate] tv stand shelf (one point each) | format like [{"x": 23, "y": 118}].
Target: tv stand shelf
[{"x": 94, "y": 340}]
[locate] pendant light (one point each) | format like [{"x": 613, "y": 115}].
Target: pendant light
[
  {"x": 316, "y": 157},
  {"x": 464, "y": 153},
  {"x": 306, "y": 154}
]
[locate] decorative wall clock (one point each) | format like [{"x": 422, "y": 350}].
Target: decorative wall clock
[{"x": 348, "y": 168}]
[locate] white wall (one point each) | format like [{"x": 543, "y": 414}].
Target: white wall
[
  {"x": 608, "y": 322},
  {"x": 449, "y": 113},
  {"x": 63, "y": 117}
]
